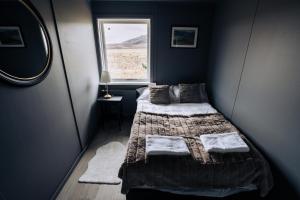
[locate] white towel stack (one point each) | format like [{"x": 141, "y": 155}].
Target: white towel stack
[
  {"x": 166, "y": 145},
  {"x": 224, "y": 143}
]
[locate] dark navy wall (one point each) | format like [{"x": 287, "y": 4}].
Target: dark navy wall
[
  {"x": 168, "y": 65},
  {"x": 76, "y": 34},
  {"x": 176, "y": 65},
  {"x": 186, "y": 65},
  {"x": 232, "y": 29},
  {"x": 38, "y": 139},
  {"x": 259, "y": 92}
]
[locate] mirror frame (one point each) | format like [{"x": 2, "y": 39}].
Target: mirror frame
[{"x": 39, "y": 77}]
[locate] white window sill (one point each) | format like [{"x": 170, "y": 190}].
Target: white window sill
[{"x": 126, "y": 83}]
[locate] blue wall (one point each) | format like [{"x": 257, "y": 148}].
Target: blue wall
[
  {"x": 168, "y": 65},
  {"x": 38, "y": 137},
  {"x": 254, "y": 80},
  {"x": 186, "y": 65},
  {"x": 42, "y": 126},
  {"x": 74, "y": 22}
]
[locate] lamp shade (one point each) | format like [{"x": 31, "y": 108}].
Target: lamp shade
[{"x": 105, "y": 77}]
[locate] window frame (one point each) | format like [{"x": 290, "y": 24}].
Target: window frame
[{"x": 102, "y": 48}]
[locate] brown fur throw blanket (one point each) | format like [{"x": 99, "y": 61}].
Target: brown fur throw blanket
[{"x": 200, "y": 169}]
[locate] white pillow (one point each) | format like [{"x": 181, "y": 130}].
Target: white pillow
[
  {"x": 141, "y": 90},
  {"x": 174, "y": 94},
  {"x": 144, "y": 93}
]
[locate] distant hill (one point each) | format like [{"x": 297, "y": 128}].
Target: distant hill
[{"x": 134, "y": 43}]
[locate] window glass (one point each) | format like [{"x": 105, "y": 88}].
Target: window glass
[{"x": 125, "y": 48}]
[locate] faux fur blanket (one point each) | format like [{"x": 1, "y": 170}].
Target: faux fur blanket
[{"x": 198, "y": 170}]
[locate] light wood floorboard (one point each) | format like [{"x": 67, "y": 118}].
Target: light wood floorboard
[{"x": 82, "y": 191}]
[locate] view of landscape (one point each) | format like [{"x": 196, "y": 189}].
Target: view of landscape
[{"x": 126, "y": 59}]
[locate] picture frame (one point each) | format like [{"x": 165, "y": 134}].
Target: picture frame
[
  {"x": 10, "y": 36},
  {"x": 184, "y": 37}
]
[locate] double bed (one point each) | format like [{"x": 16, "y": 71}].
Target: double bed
[{"x": 200, "y": 173}]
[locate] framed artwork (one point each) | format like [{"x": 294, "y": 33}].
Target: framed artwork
[
  {"x": 10, "y": 36},
  {"x": 184, "y": 37}
]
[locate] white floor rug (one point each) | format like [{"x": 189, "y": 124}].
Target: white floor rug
[{"x": 103, "y": 168}]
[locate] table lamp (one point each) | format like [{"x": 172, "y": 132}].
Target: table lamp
[{"x": 105, "y": 78}]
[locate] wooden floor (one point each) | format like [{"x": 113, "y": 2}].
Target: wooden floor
[{"x": 82, "y": 191}]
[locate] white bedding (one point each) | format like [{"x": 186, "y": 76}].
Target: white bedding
[
  {"x": 166, "y": 145},
  {"x": 224, "y": 143},
  {"x": 185, "y": 109}
]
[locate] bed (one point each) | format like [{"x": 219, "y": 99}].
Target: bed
[{"x": 201, "y": 173}]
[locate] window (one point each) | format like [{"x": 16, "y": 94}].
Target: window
[{"x": 125, "y": 49}]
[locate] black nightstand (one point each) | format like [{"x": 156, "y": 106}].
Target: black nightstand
[{"x": 107, "y": 106}]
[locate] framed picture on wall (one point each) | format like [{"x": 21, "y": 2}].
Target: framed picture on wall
[
  {"x": 10, "y": 36},
  {"x": 184, "y": 37}
]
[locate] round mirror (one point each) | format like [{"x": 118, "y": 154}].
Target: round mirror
[{"x": 25, "y": 48}]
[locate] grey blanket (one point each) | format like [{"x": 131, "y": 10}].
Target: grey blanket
[{"x": 198, "y": 170}]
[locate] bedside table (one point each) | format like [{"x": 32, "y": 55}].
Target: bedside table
[{"x": 106, "y": 105}]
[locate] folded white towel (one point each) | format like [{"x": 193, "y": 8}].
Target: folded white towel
[
  {"x": 166, "y": 145},
  {"x": 224, "y": 143}
]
